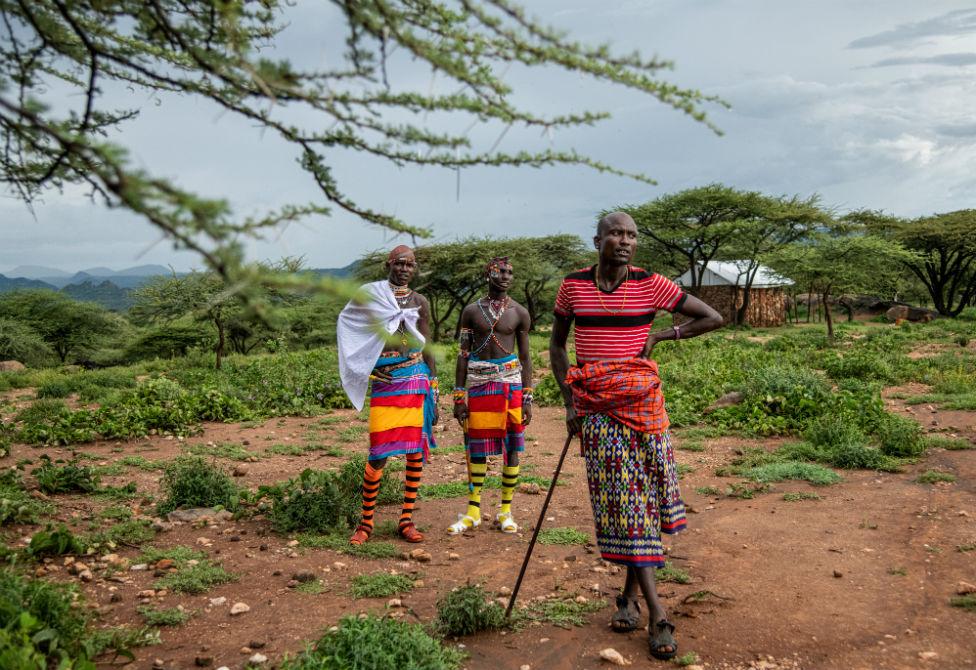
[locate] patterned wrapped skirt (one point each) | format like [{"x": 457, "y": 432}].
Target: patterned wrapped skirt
[{"x": 633, "y": 484}]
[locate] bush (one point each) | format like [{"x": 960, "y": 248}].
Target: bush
[
  {"x": 67, "y": 478},
  {"x": 196, "y": 578},
  {"x": 373, "y": 643},
  {"x": 817, "y": 475},
  {"x": 191, "y": 481},
  {"x": 380, "y": 585},
  {"x": 315, "y": 502},
  {"x": 391, "y": 485},
  {"x": 16, "y": 505},
  {"x": 56, "y": 542},
  {"x": 547, "y": 392},
  {"x": 467, "y": 610},
  {"x": 834, "y": 432},
  {"x": 900, "y": 437}
]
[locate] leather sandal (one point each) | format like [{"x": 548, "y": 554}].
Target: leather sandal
[
  {"x": 408, "y": 531},
  {"x": 624, "y": 620},
  {"x": 659, "y": 635},
  {"x": 361, "y": 535}
]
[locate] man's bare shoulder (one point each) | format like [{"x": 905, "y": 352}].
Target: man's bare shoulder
[{"x": 420, "y": 299}]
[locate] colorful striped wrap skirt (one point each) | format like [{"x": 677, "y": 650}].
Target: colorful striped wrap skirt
[
  {"x": 633, "y": 483},
  {"x": 401, "y": 412},
  {"x": 494, "y": 424}
]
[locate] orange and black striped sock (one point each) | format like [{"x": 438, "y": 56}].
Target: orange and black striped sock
[
  {"x": 371, "y": 489},
  {"x": 411, "y": 484}
]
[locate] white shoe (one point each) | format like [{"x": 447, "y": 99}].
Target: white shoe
[
  {"x": 463, "y": 523},
  {"x": 506, "y": 523}
]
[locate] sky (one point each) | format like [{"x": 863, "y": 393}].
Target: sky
[{"x": 867, "y": 104}]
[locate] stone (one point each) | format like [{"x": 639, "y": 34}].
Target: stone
[
  {"x": 504, "y": 591},
  {"x": 115, "y": 597},
  {"x": 453, "y": 557},
  {"x": 203, "y": 661},
  {"x": 965, "y": 588},
  {"x": 303, "y": 576},
  {"x": 730, "y": 399},
  {"x": 217, "y": 602},
  {"x": 165, "y": 564},
  {"x": 613, "y": 656},
  {"x": 40, "y": 572},
  {"x": 258, "y": 659},
  {"x": 292, "y": 543},
  {"x": 239, "y": 608},
  {"x": 138, "y": 567},
  {"x": 421, "y": 555},
  {"x": 530, "y": 488},
  {"x": 394, "y": 602},
  {"x": 239, "y": 470},
  {"x": 927, "y": 655},
  {"x": 158, "y": 663},
  {"x": 838, "y": 574},
  {"x": 418, "y": 584},
  {"x": 86, "y": 575},
  {"x": 198, "y": 513},
  {"x": 11, "y": 366},
  {"x": 525, "y": 666},
  {"x": 256, "y": 644},
  {"x": 581, "y": 599},
  {"x": 148, "y": 593},
  {"x": 76, "y": 567}
]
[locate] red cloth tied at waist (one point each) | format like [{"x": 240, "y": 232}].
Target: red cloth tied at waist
[{"x": 628, "y": 390}]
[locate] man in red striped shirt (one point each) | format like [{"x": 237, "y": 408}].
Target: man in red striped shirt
[{"x": 614, "y": 401}]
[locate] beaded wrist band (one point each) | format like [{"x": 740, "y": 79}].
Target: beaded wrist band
[{"x": 460, "y": 395}]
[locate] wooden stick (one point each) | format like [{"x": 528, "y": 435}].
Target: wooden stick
[{"x": 538, "y": 525}]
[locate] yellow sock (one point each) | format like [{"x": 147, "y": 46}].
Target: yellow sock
[
  {"x": 476, "y": 479},
  {"x": 509, "y": 480}
]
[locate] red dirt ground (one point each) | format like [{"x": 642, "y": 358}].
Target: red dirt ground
[{"x": 775, "y": 564}]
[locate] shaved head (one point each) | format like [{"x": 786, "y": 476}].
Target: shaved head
[{"x": 611, "y": 218}]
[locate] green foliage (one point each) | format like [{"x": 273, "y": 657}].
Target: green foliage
[
  {"x": 69, "y": 328},
  {"x": 317, "y": 501},
  {"x": 196, "y": 578},
  {"x": 55, "y": 542},
  {"x": 20, "y": 342},
  {"x": 669, "y": 573},
  {"x": 707, "y": 491},
  {"x": 132, "y": 532},
  {"x": 967, "y": 602},
  {"x": 564, "y": 612},
  {"x": 380, "y": 585},
  {"x": 16, "y": 504},
  {"x": 563, "y": 536},
  {"x": 179, "y": 555},
  {"x": 373, "y": 643},
  {"x": 690, "y": 658},
  {"x": 192, "y": 481},
  {"x": 340, "y": 542},
  {"x": 467, "y": 610},
  {"x": 67, "y": 478},
  {"x": 40, "y": 626},
  {"x": 797, "y": 496},
  {"x": 935, "y": 476},
  {"x": 792, "y": 470},
  {"x": 163, "y": 617},
  {"x": 949, "y": 443},
  {"x": 900, "y": 437}
]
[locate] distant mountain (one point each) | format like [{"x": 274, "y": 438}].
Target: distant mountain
[
  {"x": 146, "y": 271},
  {"x": 97, "y": 272},
  {"x": 20, "y": 283},
  {"x": 36, "y": 272},
  {"x": 347, "y": 271},
  {"x": 104, "y": 293}
]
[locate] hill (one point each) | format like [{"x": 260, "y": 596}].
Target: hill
[{"x": 20, "y": 283}]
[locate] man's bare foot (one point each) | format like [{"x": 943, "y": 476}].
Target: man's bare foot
[{"x": 627, "y": 617}]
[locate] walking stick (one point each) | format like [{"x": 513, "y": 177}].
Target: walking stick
[{"x": 538, "y": 525}]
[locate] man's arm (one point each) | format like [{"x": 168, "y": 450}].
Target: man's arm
[
  {"x": 703, "y": 319},
  {"x": 423, "y": 325},
  {"x": 525, "y": 358},
  {"x": 461, "y": 369},
  {"x": 559, "y": 360}
]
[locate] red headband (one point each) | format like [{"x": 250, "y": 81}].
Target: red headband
[{"x": 398, "y": 251}]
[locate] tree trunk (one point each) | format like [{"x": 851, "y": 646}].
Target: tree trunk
[
  {"x": 827, "y": 315},
  {"x": 219, "y": 349},
  {"x": 809, "y": 303}
]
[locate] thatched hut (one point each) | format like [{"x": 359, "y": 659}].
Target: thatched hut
[{"x": 722, "y": 288}]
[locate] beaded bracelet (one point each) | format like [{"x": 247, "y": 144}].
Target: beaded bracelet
[{"x": 460, "y": 395}]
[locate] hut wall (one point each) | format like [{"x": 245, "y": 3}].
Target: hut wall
[{"x": 767, "y": 306}]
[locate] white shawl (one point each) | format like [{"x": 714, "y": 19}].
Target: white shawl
[{"x": 360, "y": 334}]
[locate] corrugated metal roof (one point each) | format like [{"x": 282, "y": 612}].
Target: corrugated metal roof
[{"x": 732, "y": 273}]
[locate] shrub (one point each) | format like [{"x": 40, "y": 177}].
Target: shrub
[
  {"x": 564, "y": 613},
  {"x": 16, "y": 505},
  {"x": 833, "y": 432},
  {"x": 373, "y": 643},
  {"x": 195, "y": 578},
  {"x": 315, "y": 502},
  {"x": 191, "y": 481},
  {"x": 168, "y": 617},
  {"x": 900, "y": 437},
  {"x": 563, "y": 536},
  {"x": 467, "y": 610},
  {"x": 56, "y": 542},
  {"x": 817, "y": 475},
  {"x": 379, "y": 585},
  {"x": 547, "y": 392},
  {"x": 67, "y": 478},
  {"x": 935, "y": 476}
]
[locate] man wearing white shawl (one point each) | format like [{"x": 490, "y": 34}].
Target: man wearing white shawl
[{"x": 383, "y": 340}]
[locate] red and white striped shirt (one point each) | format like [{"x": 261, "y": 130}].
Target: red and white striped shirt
[{"x": 614, "y": 325}]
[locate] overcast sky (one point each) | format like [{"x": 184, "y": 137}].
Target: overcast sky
[{"x": 867, "y": 103}]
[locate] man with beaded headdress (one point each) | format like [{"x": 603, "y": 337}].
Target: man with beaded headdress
[
  {"x": 492, "y": 392},
  {"x": 382, "y": 340}
]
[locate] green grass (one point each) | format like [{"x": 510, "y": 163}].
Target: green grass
[
  {"x": 967, "y": 602},
  {"x": 948, "y": 443},
  {"x": 132, "y": 532},
  {"x": 443, "y": 490},
  {"x": 467, "y": 610},
  {"x": 669, "y": 573},
  {"x": 934, "y": 476},
  {"x": 817, "y": 475},
  {"x": 179, "y": 554},
  {"x": 229, "y": 450},
  {"x": 564, "y": 613},
  {"x": 196, "y": 578},
  {"x": 708, "y": 491},
  {"x": 165, "y": 617},
  {"x": 963, "y": 548},
  {"x": 375, "y": 643},
  {"x": 453, "y": 449},
  {"x": 352, "y": 434},
  {"x": 311, "y": 588},
  {"x": 193, "y": 481},
  {"x": 746, "y": 490},
  {"x": 380, "y": 585},
  {"x": 143, "y": 463},
  {"x": 684, "y": 469},
  {"x": 562, "y": 536},
  {"x": 340, "y": 542},
  {"x": 898, "y": 572},
  {"x": 691, "y": 446},
  {"x": 285, "y": 450},
  {"x": 797, "y": 496},
  {"x": 689, "y": 658}
]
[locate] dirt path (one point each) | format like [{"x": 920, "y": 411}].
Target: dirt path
[{"x": 860, "y": 578}]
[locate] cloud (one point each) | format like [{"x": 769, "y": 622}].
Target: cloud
[
  {"x": 906, "y": 35},
  {"x": 952, "y": 60}
]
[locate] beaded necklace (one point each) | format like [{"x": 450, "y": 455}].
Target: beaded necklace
[
  {"x": 599, "y": 291},
  {"x": 401, "y": 293},
  {"x": 492, "y": 317}
]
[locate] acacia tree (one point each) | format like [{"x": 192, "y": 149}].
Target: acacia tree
[
  {"x": 70, "y": 328},
  {"x": 945, "y": 258},
  {"x": 776, "y": 223},
  {"x": 832, "y": 264},
  {"x": 213, "y": 51},
  {"x": 452, "y": 275},
  {"x": 685, "y": 230}
]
